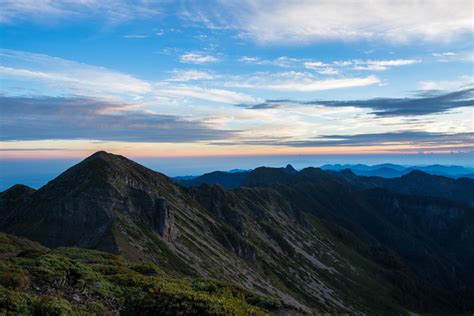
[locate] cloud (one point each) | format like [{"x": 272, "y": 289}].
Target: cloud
[
  {"x": 48, "y": 11},
  {"x": 377, "y": 65},
  {"x": 135, "y": 36},
  {"x": 70, "y": 77},
  {"x": 302, "y": 82},
  {"x": 190, "y": 75},
  {"x": 444, "y": 54},
  {"x": 47, "y": 118},
  {"x": 423, "y": 105},
  {"x": 315, "y": 64},
  {"x": 304, "y": 21},
  {"x": 328, "y": 71},
  {"x": 282, "y": 61},
  {"x": 446, "y": 85},
  {"x": 327, "y": 68},
  {"x": 74, "y": 76},
  {"x": 462, "y": 56},
  {"x": 197, "y": 58},
  {"x": 208, "y": 94},
  {"x": 358, "y": 64},
  {"x": 414, "y": 138}
]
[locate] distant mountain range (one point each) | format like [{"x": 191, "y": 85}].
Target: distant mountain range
[
  {"x": 394, "y": 171},
  {"x": 288, "y": 242},
  {"x": 234, "y": 178}
]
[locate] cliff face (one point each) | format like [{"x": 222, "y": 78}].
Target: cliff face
[{"x": 315, "y": 240}]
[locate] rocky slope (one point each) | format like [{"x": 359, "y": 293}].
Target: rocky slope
[{"x": 312, "y": 239}]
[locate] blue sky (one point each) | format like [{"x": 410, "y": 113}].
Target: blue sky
[{"x": 237, "y": 78}]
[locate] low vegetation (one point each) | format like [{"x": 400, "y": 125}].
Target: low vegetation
[{"x": 72, "y": 281}]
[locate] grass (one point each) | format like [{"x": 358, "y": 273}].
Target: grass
[{"x": 72, "y": 281}]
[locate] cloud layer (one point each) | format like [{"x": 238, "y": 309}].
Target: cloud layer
[
  {"x": 46, "y": 11},
  {"x": 300, "y": 81},
  {"x": 41, "y": 118},
  {"x": 413, "y": 138},
  {"x": 409, "y": 139},
  {"x": 423, "y": 105},
  {"x": 282, "y": 21}
]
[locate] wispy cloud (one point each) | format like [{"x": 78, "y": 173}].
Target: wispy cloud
[
  {"x": 47, "y": 118},
  {"x": 377, "y": 65},
  {"x": 208, "y": 94},
  {"x": 135, "y": 36},
  {"x": 423, "y": 105},
  {"x": 309, "y": 21},
  {"x": 463, "y": 56},
  {"x": 282, "y": 61},
  {"x": 447, "y": 54},
  {"x": 413, "y": 138},
  {"x": 409, "y": 139},
  {"x": 197, "y": 58},
  {"x": 358, "y": 64},
  {"x": 330, "y": 68},
  {"x": 190, "y": 75},
  {"x": 446, "y": 85},
  {"x": 73, "y": 76},
  {"x": 302, "y": 82},
  {"x": 50, "y": 11}
]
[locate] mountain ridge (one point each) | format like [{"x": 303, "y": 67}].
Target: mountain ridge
[{"x": 316, "y": 240}]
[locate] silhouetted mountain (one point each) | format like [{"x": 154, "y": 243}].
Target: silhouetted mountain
[
  {"x": 420, "y": 183},
  {"x": 315, "y": 240},
  {"x": 394, "y": 171},
  {"x": 226, "y": 179}
]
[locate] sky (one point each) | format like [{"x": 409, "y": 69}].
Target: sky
[{"x": 262, "y": 81}]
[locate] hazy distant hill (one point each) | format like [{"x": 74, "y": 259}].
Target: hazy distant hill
[
  {"x": 313, "y": 240},
  {"x": 394, "y": 171},
  {"x": 226, "y": 179}
]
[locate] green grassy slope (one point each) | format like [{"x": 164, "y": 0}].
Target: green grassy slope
[{"x": 73, "y": 281}]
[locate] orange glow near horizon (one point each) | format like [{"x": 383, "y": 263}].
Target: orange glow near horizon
[{"x": 81, "y": 149}]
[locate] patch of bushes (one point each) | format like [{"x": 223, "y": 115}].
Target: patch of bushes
[{"x": 72, "y": 281}]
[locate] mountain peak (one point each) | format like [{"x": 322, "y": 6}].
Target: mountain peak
[
  {"x": 103, "y": 170},
  {"x": 103, "y": 155},
  {"x": 348, "y": 173},
  {"x": 100, "y": 153},
  {"x": 416, "y": 173},
  {"x": 17, "y": 191},
  {"x": 289, "y": 168}
]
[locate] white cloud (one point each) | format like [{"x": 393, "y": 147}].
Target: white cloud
[
  {"x": 328, "y": 71},
  {"x": 47, "y": 11},
  {"x": 463, "y": 56},
  {"x": 282, "y": 21},
  {"x": 444, "y": 54},
  {"x": 136, "y": 36},
  {"x": 190, "y": 75},
  {"x": 378, "y": 65},
  {"x": 314, "y": 64},
  {"x": 447, "y": 85},
  {"x": 208, "y": 94},
  {"x": 283, "y": 61},
  {"x": 321, "y": 68},
  {"x": 325, "y": 68},
  {"x": 197, "y": 58},
  {"x": 301, "y": 82},
  {"x": 70, "y": 75}
]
